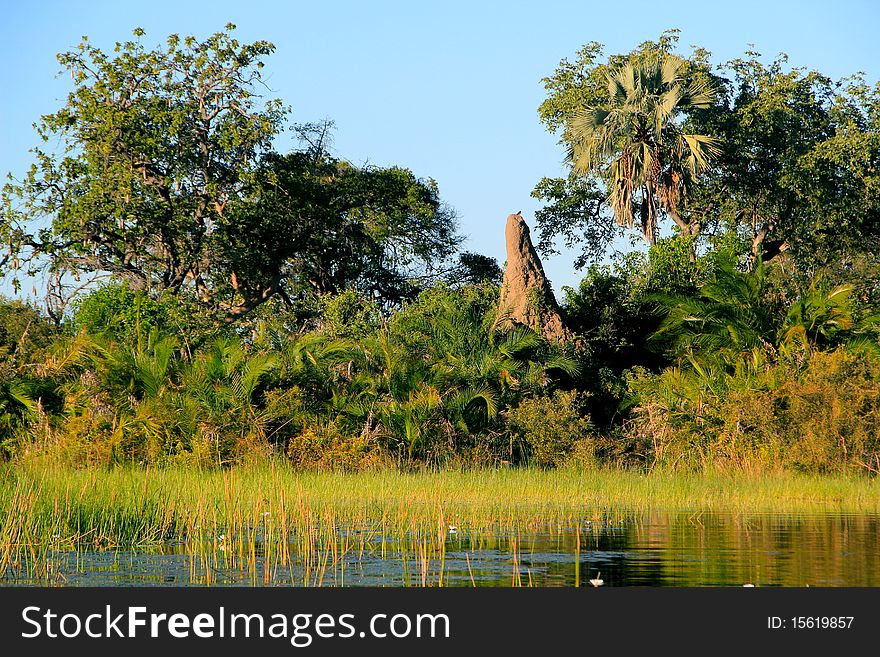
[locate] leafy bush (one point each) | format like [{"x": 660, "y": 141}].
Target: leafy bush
[
  {"x": 819, "y": 415},
  {"x": 349, "y": 315},
  {"x": 23, "y": 331},
  {"x": 152, "y": 402},
  {"x": 325, "y": 447},
  {"x": 552, "y": 428},
  {"x": 610, "y": 313},
  {"x": 24, "y": 335},
  {"x": 119, "y": 312},
  {"x": 674, "y": 267}
]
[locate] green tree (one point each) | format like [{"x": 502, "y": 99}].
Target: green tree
[
  {"x": 154, "y": 144},
  {"x": 474, "y": 269},
  {"x": 799, "y": 164},
  {"x": 435, "y": 377},
  {"x": 614, "y": 313},
  {"x": 621, "y": 123},
  {"x": 647, "y": 161},
  {"x": 23, "y": 331},
  {"x": 326, "y": 225},
  {"x": 796, "y": 169},
  {"x": 166, "y": 181}
]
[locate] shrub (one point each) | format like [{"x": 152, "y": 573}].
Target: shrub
[
  {"x": 23, "y": 331},
  {"x": 674, "y": 267},
  {"x": 819, "y": 415},
  {"x": 124, "y": 315},
  {"x": 327, "y": 448},
  {"x": 119, "y": 311},
  {"x": 349, "y": 315},
  {"x": 552, "y": 428}
]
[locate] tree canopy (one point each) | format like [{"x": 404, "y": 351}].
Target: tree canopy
[
  {"x": 154, "y": 143},
  {"x": 635, "y": 144},
  {"x": 325, "y": 225},
  {"x": 799, "y": 164},
  {"x": 792, "y": 154},
  {"x": 166, "y": 178}
]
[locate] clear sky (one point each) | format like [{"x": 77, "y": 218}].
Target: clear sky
[{"x": 449, "y": 89}]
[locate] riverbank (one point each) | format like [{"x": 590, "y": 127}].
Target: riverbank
[
  {"x": 260, "y": 521},
  {"x": 138, "y": 504}
]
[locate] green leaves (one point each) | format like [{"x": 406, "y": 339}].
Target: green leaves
[
  {"x": 727, "y": 317},
  {"x": 633, "y": 141},
  {"x": 818, "y": 317},
  {"x": 785, "y": 157},
  {"x": 622, "y": 127},
  {"x": 793, "y": 168},
  {"x": 436, "y": 375},
  {"x": 153, "y": 144},
  {"x": 736, "y": 317},
  {"x": 324, "y": 225},
  {"x": 164, "y": 178}
]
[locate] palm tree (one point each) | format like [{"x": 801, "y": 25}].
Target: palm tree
[
  {"x": 18, "y": 406},
  {"x": 221, "y": 395},
  {"x": 729, "y": 317},
  {"x": 439, "y": 370},
  {"x": 735, "y": 318},
  {"x": 635, "y": 143},
  {"x": 819, "y": 317}
]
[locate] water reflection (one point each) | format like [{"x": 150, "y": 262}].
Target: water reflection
[{"x": 644, "y": 549}]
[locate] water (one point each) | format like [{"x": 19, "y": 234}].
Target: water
[{"x": 644, "y": 549}]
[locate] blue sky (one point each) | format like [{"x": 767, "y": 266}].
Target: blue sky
[{"x": 449, "y": 89}]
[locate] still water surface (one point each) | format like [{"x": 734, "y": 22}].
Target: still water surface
[{"x": 635, "y": 549}]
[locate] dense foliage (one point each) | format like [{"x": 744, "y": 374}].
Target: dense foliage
[
  {"x": 785, "y": 159},
  {"x": 159, "y": 171},
  {"x": 299, "y": 306},
  {"x": 432, "y": 382}
]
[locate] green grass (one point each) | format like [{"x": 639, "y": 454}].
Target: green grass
[{"x": 232, "y": 519}]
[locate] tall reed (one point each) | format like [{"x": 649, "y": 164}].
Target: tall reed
[{"x": 261, "y": 524}]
